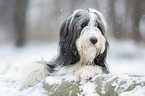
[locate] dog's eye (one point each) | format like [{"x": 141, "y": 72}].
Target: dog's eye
[
  {"x": 96, "y": 24},
  {"x": 100, "y": 26},
  {"x": 84, "y": 24},
  {"x": 77, "y": 16}
]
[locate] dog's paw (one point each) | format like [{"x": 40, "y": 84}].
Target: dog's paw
[
  {"x": 87, "y": 71},
  {"x": 34, "y": 74}
]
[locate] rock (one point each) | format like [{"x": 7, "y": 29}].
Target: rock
[{"x": 101, "y": 85}]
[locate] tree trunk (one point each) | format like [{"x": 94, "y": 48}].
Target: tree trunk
[
  {"x": 19, "y": 21},
  {"x": 112, "y": 16},
  {"x": 136, "y": 18},
  {"x": 134, "y": 12}
]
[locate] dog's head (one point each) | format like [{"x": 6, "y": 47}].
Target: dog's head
[{"x": 82, "y": 38}]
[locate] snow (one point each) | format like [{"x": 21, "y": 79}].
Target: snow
[
  {"x": 124, "y": 57},
  {"x": 138, "y": 91},
  {"x": 10, "y": 86},
  {"x": 13, "y": 62},
  {"x": 52, "y": 80},
  {"x": 88, "y": 89}
]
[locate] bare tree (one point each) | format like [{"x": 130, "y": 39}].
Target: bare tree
[
  {"x": 136, "y": 15},
  {"x": 19, "y": 21},
  {"x": 112, "y": 17},
  {"x": 134, "y": 12},
  {"x": 116, "y": 20}
]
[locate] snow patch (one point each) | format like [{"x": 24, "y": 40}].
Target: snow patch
[
  {"x": 137, "y": 91},
  {"x": 10, "y": 86},
  {"x": 52, "y": 80},
  {"x": 88, "y": 88}
]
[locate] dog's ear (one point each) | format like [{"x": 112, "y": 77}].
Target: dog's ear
[
  {"x": 100, "y": 60},
  {"x": 68, "y": 50}
]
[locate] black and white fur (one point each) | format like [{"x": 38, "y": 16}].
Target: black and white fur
[{"x": 82, "y": 52}]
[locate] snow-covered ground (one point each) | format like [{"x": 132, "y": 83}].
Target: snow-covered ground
[
  {"x": 123, "y": 57},
  {"x": 126, "y": 57},
  {"x": 13, "y": 60}
]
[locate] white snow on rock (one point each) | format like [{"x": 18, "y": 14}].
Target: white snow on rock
[
  {"x": 88, "y": 89},
  {"x": 10, "y": 86},
  {"x": 52, "y": 80},
  {"x": 137, "y": 91}
]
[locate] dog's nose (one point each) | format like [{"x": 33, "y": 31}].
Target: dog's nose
[{"x": 94, "y": 40}]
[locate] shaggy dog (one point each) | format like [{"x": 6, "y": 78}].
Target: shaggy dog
[{"x": 82, "y": 51}]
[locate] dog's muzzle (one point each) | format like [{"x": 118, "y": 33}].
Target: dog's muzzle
[
  {"x": 93, "y": 37},
  {"x": 93, "y": 40},
  {"x": 91, "y": 43}
]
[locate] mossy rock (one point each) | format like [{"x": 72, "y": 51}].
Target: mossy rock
[{"x": 101, "y": 85}]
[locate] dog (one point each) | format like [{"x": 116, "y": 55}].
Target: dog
[{"x": 82, "y": 49}]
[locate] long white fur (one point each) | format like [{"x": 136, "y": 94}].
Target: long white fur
[
  {"x": 38, "y": 71},
  {"x": 34, "y": 73}
]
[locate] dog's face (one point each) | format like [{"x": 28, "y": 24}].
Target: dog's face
[
  {"x": 91, "y": 42},
  {"x": 82, "y": 38}
]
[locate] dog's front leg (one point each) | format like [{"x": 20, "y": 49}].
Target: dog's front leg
[{"x": 87, "y": 71}]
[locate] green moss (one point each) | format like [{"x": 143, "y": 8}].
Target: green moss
[{"x": 64, "y": 89}]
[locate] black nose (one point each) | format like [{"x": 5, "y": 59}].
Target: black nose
[{"x": 93, "y": 40}]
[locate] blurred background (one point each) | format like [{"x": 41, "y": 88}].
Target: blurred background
[{"x": 29, "y": 30}]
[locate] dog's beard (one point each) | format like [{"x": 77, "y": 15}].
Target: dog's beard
[{"x": 87, "y": 50}]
